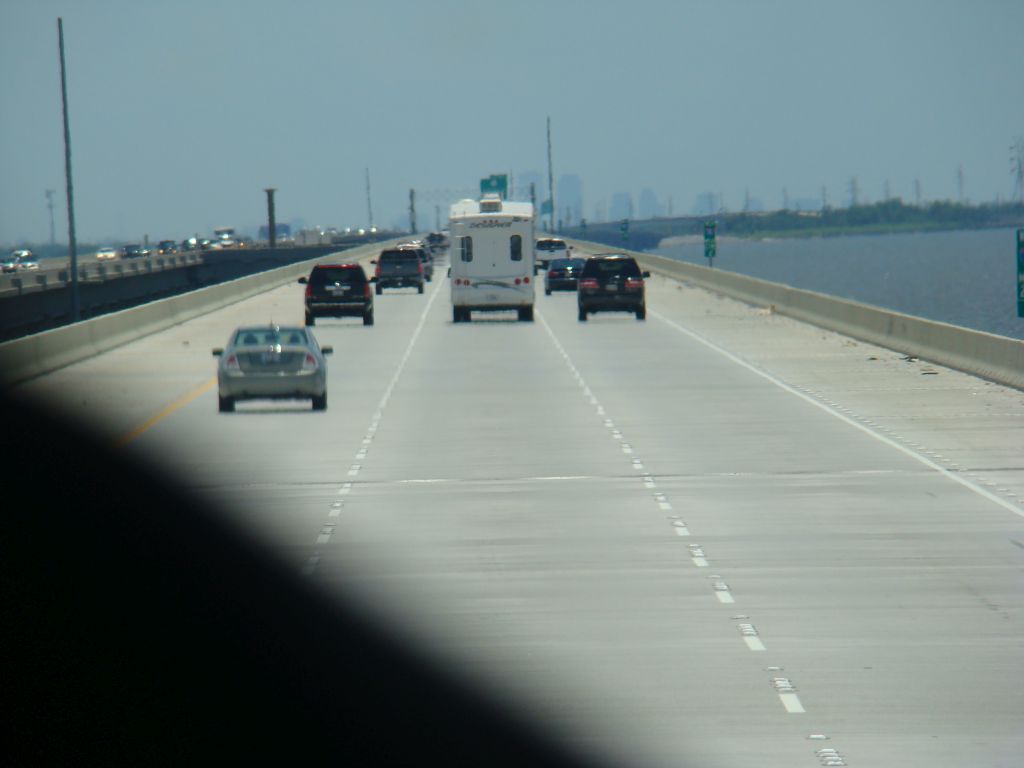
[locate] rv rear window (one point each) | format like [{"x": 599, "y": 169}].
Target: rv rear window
[
  {"x": 516, "y": 247},
  {"x": 466, "y": 247}
]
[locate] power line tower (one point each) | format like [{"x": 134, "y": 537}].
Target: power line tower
[
  {"x": 49, "y": 204},
  {"x": 369, "y": 205},
  {"x": 1017, "y": 168},
  {"x": 854, "y": 191},
  {"x": 917, "y": 192},
  {"x": 551, "y": 182}
]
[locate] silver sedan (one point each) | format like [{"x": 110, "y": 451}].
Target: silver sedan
[{"x": 272, "y": 362}]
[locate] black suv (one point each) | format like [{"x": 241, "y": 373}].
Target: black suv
[
  {"x": 338, "y": 290},
  {"x": 612, "y": 282},
  {"x": 426, "y": 259},
  {"x": 399, "y": 268}
]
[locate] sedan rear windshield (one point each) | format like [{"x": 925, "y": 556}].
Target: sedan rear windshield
[
  {"x": 609, "y": 267},
  {"x": 563, "y": 263},
  {"x": 249, "y": 337}
]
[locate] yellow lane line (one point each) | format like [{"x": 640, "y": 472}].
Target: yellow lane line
[{"x": 181, "y": 401}]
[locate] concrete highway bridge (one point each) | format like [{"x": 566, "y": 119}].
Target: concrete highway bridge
[{"x": 760, "y": 528}]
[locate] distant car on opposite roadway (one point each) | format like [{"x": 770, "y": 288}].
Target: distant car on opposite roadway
[
  {"x": 612, "y": 282},
  {"x": 107, "y": 253},
  {"x": 437, "y": 242},
  {"x": 20, "y": 259},
  {"x": 166, "y": 247},
  {"x": 398, "y": 268},
  {"x": 548, "y": 248},
  {"x": 563, "y": 275},
  {"x": 338, "y": 290},
  {"x": 132, "y": 251},
  {"x": 271, "y": 362}
]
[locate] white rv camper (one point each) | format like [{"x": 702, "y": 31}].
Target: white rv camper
[{"x": 491, "y": 257}]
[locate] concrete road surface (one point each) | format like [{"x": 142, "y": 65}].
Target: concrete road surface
[{"x": 715, "y": 538}]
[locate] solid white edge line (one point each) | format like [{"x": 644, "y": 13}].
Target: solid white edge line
[{"x": 852, "y": 422}]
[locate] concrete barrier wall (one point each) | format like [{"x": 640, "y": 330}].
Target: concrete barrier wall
[
  {"x": 997, "y": 358},
  {"x": 41, "y": 353}
]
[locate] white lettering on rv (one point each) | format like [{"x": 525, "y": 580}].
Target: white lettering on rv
[{"x": 489, "y": 224}]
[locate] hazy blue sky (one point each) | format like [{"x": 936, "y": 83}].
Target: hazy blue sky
[{"x": 182, "y": 112}]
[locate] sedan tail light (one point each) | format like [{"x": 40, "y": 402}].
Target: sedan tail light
[
  {"x": 232, "y": 363},
  {"x": 309, "y": 364}
]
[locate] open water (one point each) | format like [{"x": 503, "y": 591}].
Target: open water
[{"x": 966, "y": 278}]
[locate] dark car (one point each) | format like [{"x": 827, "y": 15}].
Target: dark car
[
  {"x": 399, "y": 268},
  {"x": 338, "y": 290},
  {"x": 132, "y": 251},
  {"x": 166, "y": 247},
  {"x": 612, "y": 283},
  {"x": 437, "y": 242},
  {"x": 563, "y": 275},
  {"x": 426, "y": 257}
]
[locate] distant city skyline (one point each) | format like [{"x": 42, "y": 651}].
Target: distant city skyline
[{"x": 732, "y": 98}]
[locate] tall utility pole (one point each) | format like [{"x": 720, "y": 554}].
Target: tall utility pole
[
  {"x": 271, "y": 221},
  {"x": 369, "y": 205},
  {"x": 785, "y": 199},
  {"x": 72, "y": 243},
  {"x": 854, "y": 191},
  {"x": 412, "y": 211},
  {"x": 437, "y": 218},
  {"x": 960, "y": 184},
  {"x": 824, "y": 197},
  {"x": 551, "y": 182},
  {"x": 49, "y": 204},
  {"x": 917, "y": 192}
]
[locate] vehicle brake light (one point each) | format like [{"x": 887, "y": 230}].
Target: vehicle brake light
[
  {"x": 419, "y": 265},
  {"x": 634, "y": 282},
  {"x": 366, "y": 290},
  {"x": 309, "y": 364},
  {"x": 377, "y": 272},
  {"x": 232, "y": 363},
  {"x": 526, "y": 280},
  {"x": 588, "y": 283},
  {"x": 518, "y": 281},
  {"x": 309, "y": 291}
]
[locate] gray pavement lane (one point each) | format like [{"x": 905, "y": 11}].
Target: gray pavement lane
[{"x": 515, "y": 496}]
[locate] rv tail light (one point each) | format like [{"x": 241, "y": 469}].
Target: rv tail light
[
  {"x": 526, "y": 280},
  {"x": 518, "y": 281}
]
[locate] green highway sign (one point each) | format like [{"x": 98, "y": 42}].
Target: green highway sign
[
  {"x": 496, "y": 182},
  {"x": 1020, "y": 273},
  {"x": 709, "y": 240}
]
